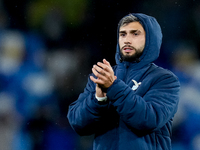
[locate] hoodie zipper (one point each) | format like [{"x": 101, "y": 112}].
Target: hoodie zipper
[{"x": 127, "y": 65}]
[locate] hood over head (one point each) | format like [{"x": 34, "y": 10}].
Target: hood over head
[{"x": 152, "y": 43}]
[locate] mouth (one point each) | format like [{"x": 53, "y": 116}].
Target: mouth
[{"x": 128, "y": 49}]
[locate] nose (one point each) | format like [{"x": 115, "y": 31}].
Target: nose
[{"x": 127, "y": 40}]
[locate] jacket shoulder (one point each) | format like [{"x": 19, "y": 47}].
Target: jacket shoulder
[
  {"x": 160, "y": 71},
  {"x": 158, "y": 74}
]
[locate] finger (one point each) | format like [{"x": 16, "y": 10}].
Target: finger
[
  {"x": 97, "y": 81},
  {"x": 105, "y": 68},
  {"x": 93, "y": 79},
  {"x": 106, "y": 62},
  {"x": 100, "y": 70},
  {"x": 95, "y": 71},
  {"x": 102, "y": 65},
  {"x": 99, "y": 75}
]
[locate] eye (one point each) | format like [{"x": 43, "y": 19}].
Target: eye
[
  {"x": 122, "y": 34},
  {"x": 136, "y": 33}
]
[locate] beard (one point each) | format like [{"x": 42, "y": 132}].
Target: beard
[{"x": 133, "y": 57}]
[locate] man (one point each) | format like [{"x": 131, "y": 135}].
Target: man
[{"x": 129, "y": 106}]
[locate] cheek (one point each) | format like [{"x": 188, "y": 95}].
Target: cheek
[
  {"x": 140, "y": 42},
  {"x": 143, "y": 40},
  {"x": 143, "y": 43},
  {"x": 120, "y": 43}
]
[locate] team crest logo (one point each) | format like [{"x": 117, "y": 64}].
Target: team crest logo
[{"x": 136, "y": 85}]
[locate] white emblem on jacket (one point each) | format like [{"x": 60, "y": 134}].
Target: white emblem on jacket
[{"x": 136, "y": 85}]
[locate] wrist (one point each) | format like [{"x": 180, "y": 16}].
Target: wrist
[{"x": 101, "y": 99}]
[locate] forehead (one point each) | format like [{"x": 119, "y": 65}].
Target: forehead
[{"x": 132, "y": 26}]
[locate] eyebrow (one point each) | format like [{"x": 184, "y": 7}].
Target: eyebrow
[{"x": 131, "y": 31}]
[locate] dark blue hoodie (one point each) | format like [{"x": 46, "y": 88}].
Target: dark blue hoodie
[{"x": 133, "y": 118}]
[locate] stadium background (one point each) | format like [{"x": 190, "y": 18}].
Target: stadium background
[{"x": 48, "y": 47}]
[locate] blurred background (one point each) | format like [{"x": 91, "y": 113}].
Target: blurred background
[{"x": 48, "y": 47}]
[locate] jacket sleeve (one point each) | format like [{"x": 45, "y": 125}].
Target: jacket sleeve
[
  {"x": 85, "y": 113},
  {"x": 149, "y": 111}
]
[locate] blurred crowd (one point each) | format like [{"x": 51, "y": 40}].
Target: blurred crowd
[{"x": 47, "y": 49}]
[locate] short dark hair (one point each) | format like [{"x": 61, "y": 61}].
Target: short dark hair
[{"x": 128, "y": 19}]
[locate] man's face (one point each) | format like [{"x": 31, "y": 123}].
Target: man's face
[{"x": 131, "y": 41}]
